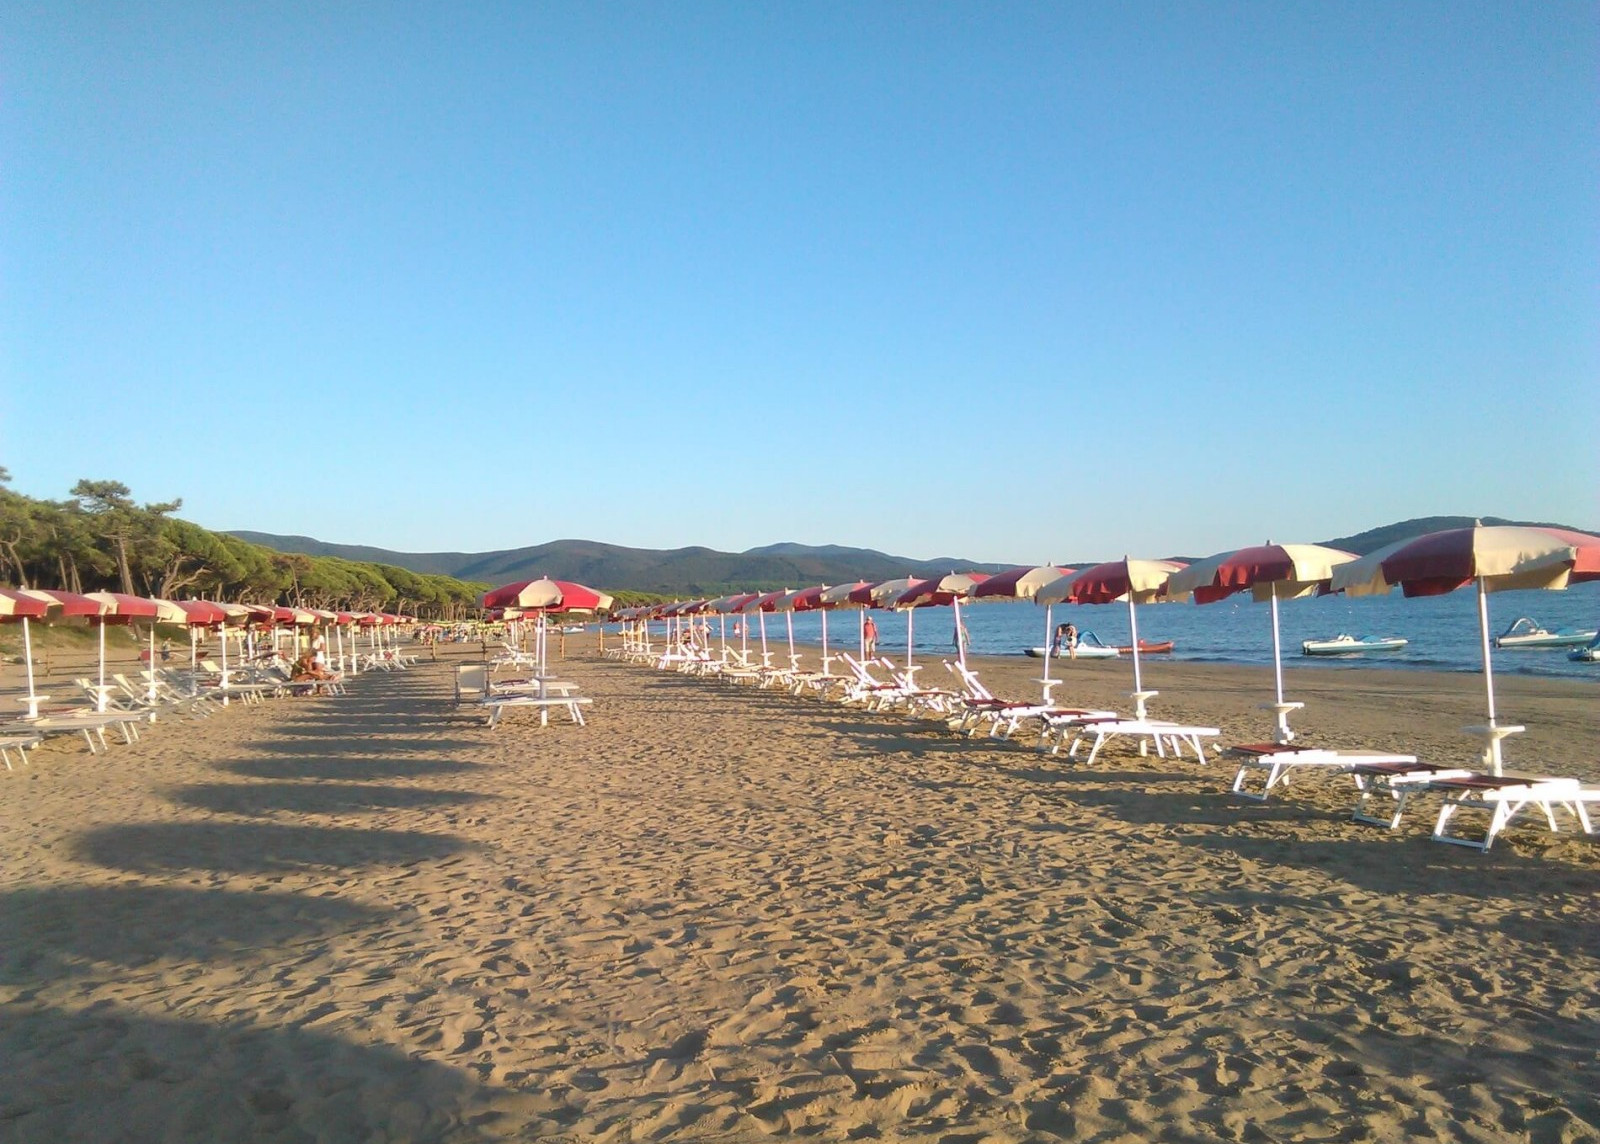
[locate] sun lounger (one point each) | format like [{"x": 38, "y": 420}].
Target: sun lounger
[
  {"x": 19, "y": 741},
  {"x": 1504, "y": 797},
  {"x": 1281, "y": 760},
  {"x": 1163, "y": 735},
  {"x": 572, "y": 704},
  {"x": 1397, "y": 781}
]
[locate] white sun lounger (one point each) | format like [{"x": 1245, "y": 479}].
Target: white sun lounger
[
  {"x": 1504, "y": 797},
  {"x": 1279, "y": 761},
  {"x": 572, "y": 704},
  {"x": 1165, "y": 736},
  {"x": 19, "y": 741}
]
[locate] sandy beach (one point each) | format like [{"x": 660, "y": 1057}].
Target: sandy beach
[{"x": 725, "y": 914}]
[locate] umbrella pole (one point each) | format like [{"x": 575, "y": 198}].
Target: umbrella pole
[
  {"x": 1493, "y": 732},
  {"x": 910, "y": 612},
  {"x": 788, "y": 618},
  {"x": 27, "y": 658},
  {"x": 150, "y": 692},
  {"x": 1280, "y": 709},
  {"x": 100, "y": 695},
  {"x": 766, "y": 656},
  {"x": 194, "y": 666},
  {"x": 961, "y": 644},
  {"x": 1140, "y": 695},
  {"x": 827, "y": 660},
  {"x": 1049, "y": 649}
]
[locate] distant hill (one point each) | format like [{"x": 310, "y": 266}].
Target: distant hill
[
  {"x": 705, "y": 572},
  {"x": 687, "y": 571}
]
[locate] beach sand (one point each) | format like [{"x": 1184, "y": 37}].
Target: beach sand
[{"x": 718, "y": 913}]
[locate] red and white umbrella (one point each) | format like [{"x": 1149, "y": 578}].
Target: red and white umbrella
[
  {"x": 117, "y": 608},
  {"x": 20, "y": 607},
  {"x": 1025, "y": 583},
  {"x": 1135, "y": 581},
  {"x": 546, "y": 595},
  {"x": 59, "y": 606},
  {"x": 1271, "y": 572},
  {"x": 949, "y": 589},
  {"x": 194, "y": 615},
  {"x": 1497, "y": 558}
]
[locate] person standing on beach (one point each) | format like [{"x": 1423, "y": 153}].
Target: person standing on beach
[
  {"x": 869, "y": 639},
  {"x": 1069, "y": 636}
]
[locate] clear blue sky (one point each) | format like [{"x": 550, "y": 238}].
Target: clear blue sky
[{"x": 1006, "y": 282}]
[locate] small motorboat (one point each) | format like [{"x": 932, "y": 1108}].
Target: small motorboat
[
  {"x": 1343, "y": 644},
  {"x": 1590, "y": 654},
  {"x": 1527, "y": 634}
]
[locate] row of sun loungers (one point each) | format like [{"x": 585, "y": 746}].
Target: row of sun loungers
[
  {"x": 1386, "y": 783},
  {"x": 125, "y": 704}
]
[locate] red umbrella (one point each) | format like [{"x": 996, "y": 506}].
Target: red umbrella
[
  {"x": 58, "y": 605},
  {"x": 560, "y": 595},
  {"x": 1025, "y": 583},
  {"x": 1271, "y": 572},
  {"x": 949, "y": 589},
  {"x": 117, "y": 608},
  {"x": 1496, "y": 558},
  {"x": 1136, "y": 581}
]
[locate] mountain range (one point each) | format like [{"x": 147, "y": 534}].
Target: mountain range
[{"x": 704, "y": 571}]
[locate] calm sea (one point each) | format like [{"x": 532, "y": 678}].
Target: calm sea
[{"x": 1443, "y": 630}]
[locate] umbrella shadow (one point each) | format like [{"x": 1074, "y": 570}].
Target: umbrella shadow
[
  {"x": 53, "y": 930},
  {"x": 316, "y": 798},
  {"x": 71, "y": 1075},
  {"x": 300, "y": 767},
  {"x": 366, "y": 744},
  {"x": 252, "y": 848}
]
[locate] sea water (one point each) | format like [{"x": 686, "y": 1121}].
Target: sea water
[{"x": 1442, "y": 630}]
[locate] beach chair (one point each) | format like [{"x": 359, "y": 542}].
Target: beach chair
[
  {"x": 1005, "y": 717},
  {"x": 1280, "y": 760},
  {"x": 1163, "y": 735},
  {"x": 572, "y": 704},
  {"x": 472, "y": 683},
  {"x": 1503, "y": 797},
  {"x": 19, "y": 741}
]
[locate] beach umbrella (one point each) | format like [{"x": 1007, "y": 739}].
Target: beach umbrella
[
  {"x": 1134, "y": 581},
  {"x": 1270, "y": 572},
  {"x": 949, "y": 589},
  {"x": 883, "y": 594},
  {"x": 839, "y": 596},
  {"x": 116, "y": 608},
  {"x": 61, "y": 606},
  {"x": 543, "y": 595},
  {"x": 811, "y": 600},
  {"x": 759, "y": 605},
  {"x": 1025, "y": 583},
  {"x": 193, "y": 615},
  {"x": 18, "y": 607},
  {"x": 1494, "y": 558}
]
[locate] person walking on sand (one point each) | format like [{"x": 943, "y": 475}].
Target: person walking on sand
[{"x": 869, "y": 639}]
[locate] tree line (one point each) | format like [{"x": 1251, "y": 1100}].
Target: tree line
[{"x": 101, "y": 539}]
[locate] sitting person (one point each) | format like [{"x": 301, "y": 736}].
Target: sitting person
[{"x": 308, "y": 670}]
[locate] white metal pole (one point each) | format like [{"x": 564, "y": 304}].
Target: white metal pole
[
  {"x": 27, "y": 658},
  {"x": 1277, "y": 652}
]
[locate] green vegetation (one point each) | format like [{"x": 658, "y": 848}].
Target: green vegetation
[{"x": 102, "y": 540}]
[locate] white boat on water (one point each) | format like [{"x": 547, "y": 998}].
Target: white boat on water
[
  {"x": 1089, "y": 647},
  {"x": 1351, "y": 645},
  {"x": 1526, "y": 633}
]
